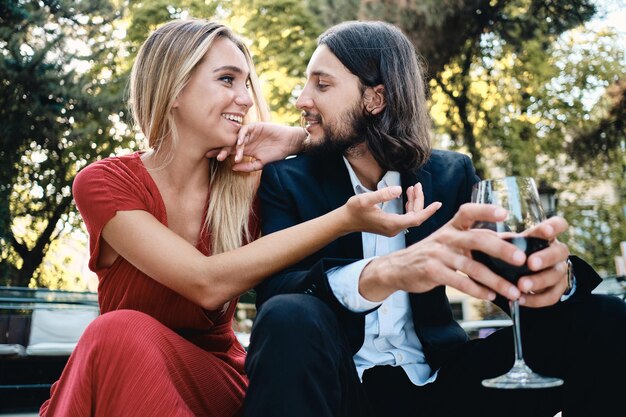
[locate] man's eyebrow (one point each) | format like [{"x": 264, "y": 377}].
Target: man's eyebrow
[{"x": 321, "y": 74}]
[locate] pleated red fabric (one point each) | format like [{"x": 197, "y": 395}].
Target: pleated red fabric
[{"x": 152, "y": 352}]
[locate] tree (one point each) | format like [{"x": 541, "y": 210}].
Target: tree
[
  {"x": 60, "y": 103},
  {"x": 283, "y": 37},
  {"x": 598, "y": 145}
]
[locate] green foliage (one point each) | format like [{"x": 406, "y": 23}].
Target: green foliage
[
  {"x": 330, "y": 12},
  {"x": 60, "y": 99},
  {"x": 272, "y": 25},
  {"x": 598, "y": 228},
  {"x": 146, "y": 16},
  {"x": 596, "y": 137}
]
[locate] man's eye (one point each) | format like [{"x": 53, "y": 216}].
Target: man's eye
[{"x": 322, "y": 86}]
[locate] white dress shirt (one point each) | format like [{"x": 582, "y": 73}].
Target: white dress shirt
[{"x": 390, "y": 337}]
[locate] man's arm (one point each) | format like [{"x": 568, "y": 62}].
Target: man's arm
[{"x": 279, "y": 210}]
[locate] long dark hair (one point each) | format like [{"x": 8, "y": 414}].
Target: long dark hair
[{"x": 379, "y": 53}]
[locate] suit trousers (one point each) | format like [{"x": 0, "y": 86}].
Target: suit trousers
[{"x": 300, "y": 364}]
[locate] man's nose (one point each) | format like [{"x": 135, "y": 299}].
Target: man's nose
[{"x": 304, "y": 101}]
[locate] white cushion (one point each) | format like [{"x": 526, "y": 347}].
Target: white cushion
[
  {"x": 243, "y": 338},
  {"x": 50, "y": 349},
  {"x": 12, "y": 349},
  {"x": 58, "y": 329}
]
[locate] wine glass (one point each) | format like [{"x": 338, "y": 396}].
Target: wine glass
[{"x": 519, "y": 196}]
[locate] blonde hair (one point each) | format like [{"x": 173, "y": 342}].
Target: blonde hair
[{"x": 161, "y": 71}]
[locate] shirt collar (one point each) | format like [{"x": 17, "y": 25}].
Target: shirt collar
[{"x": 389, "y": 179}]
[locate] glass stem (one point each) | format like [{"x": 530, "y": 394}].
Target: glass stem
[{"x": 517, "y": 336}]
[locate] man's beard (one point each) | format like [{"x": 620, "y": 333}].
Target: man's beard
[{"x": 340, "y": 140}]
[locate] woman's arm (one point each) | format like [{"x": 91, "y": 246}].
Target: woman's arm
[{"x": 211, "y": 281}]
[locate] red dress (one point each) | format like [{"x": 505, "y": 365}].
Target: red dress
[{"x": 152, "y": 352}]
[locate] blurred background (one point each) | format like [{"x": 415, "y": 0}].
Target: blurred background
[{"x": 525, "y": 87}]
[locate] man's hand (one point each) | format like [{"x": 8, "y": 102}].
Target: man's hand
[
  {"x": 438, "y": 259},
  {"x": 545, "y": 287},
  {"x": 263, "y": 143}
]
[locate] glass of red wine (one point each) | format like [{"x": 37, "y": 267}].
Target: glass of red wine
[{"x": 519, "y": 196}]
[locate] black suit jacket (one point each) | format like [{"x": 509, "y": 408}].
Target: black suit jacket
[{"x": 302, "y": 188}]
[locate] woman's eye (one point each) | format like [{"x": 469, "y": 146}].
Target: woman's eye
[{"x": 227, "y": 79}]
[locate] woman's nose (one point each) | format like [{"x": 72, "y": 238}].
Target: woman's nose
[{"x": 244, "y": 99}]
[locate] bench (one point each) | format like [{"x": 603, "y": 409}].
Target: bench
[{"x": 39, "y": 329}]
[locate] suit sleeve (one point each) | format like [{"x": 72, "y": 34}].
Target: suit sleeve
[{"x": 278, "y": 211}]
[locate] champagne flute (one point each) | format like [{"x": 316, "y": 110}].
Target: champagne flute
[{"x": 519, "y": 196}]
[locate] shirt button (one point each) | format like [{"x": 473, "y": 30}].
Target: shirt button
[
  {"x": 383, "y": 310},
  {"x": 400, "y": 357}
]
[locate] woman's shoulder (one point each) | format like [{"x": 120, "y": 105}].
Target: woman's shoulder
[
  {"x": 125, "y": 169},
  {"x": 114, "y": 165},
  {"x": 114, "y": 176}
]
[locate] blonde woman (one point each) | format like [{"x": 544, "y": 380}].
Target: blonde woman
[{"x": 169, "y": 236}]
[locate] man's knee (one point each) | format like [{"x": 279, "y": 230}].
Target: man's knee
[
  {"x": 294, "y": 321},
  {"x": 296, "y": 357},
  {"x": 295, "y": 315}
]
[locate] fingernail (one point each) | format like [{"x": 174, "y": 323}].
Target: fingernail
[
  {"x": 491, "y": 296},
  {"x": 527, "y": 285},
  {"x": 514, "y": 292},
  {"x": 549, "y": 229},
  {"x": 535, "y": 263},
  {"x": 396, "y": 189},
  {"x": 519, "y": 256},
  {"x": 522, "y": 301},
  {"x": 499, "y": 212}
]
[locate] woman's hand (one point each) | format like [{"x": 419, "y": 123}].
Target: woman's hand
[
  {"x": 263, "y": 142},
  {"x": 365, "y": 213}
]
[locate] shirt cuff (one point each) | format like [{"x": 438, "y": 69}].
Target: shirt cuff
[
  {"x": 344, "y": 282},
  {"x": 571, "y": 292}
]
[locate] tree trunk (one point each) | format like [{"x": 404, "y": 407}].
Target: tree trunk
[{"x": 33, "y": 258}]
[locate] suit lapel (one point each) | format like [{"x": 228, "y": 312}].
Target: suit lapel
[
  {"x": 337, "y": 189},
  {"x": 426, "y": 305}
]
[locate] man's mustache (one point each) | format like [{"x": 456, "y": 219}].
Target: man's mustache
[{"x": 310, "y": 116}]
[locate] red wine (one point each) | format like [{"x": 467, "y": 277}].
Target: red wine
[{"x": 510, "y": 272}]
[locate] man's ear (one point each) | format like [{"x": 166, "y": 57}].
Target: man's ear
[{"x": 374, "y": 99}]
